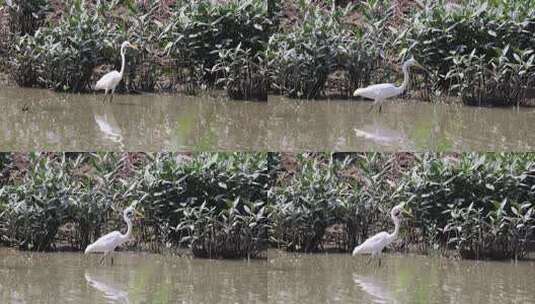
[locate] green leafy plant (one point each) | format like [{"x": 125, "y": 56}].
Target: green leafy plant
[
  {"x": 236, "y": 231},
  {"x": 477, "y": 204},
  {"x": 74, "y": 47},
  {"x": 302, "y": 58},
  {"x": 244, "y": 75},
  {"x": 167, "y": 187},
  {"x": 26, "y": 16},
  {"x": 24, "y": 61},
  {"x": 144, "y": 66},
  {"x": 332, "y": 203},
  {"x": 498, "y": 81},
  {"x": 71, "y": 199},
  {"x": 38, "y": 206},
  {"x": 480, "y": 50},
  {"x": 197, "y": 30}
]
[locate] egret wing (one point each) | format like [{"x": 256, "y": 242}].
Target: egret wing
[
  {"x": 111, "y": 292},
  {"x": 106, "y": 242},
  {"x": 374, "y": 244},
  {"x": 379, "y": 91},
  {"x": 108, "y": 81}
]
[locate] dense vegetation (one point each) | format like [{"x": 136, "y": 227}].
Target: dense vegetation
[
  {"x": 478, "y": 50},
  {"x": 190, "y": 44},
  {"x": 482, "y": 205},
  {"x": 209, "y": 39},
  {"x": 322, "y": 42},
  {"x": 231, "y": 205},
  {"x": 477, "y": 205},
  {"x": 211, "y": 203},
  {"x": 322, "y": 193}
]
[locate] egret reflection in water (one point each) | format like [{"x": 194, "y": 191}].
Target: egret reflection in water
[
  {"x": 378, "y": 290},
  {"x": 107, "y": 124},
  {"x": 176, "y": 122},
  {"x": 111, "y": 290},
  {"x": 382, "y": 135},
  {"x": 70, "y": 277}
]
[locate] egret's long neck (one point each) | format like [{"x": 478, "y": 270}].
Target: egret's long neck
[
  {"x": 405, "y": 83},
  {"x": 123, "y": 50},
  {"x": 394, "y": 234},
  {"x": 128, "y": 234}
]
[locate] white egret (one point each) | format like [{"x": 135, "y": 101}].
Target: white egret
[
  {"x": 106, "y": 244},
  {"x": 380, "y": 92},
  {"x": 110, "y": 81},
  {"x": 375, "y": 244}
]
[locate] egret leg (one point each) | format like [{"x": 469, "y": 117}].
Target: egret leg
[
  {"x": 112, "y": 94},
  {"x": 380, "y": 102},
  {"x": 371, "y": 108},
  {"x": 102, "y": 259},
  {"x": 105, "y": 95},
  {"x": 111, "y": 256}
]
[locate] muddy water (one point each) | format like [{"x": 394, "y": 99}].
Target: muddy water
[
  {"x": 284, "y": 278},
  {"x": 338, "y": 278},
  {"x": 133, "y": 278},
  {"x": 42, "y": 120}
]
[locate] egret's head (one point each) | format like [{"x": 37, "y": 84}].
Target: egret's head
[
  {"x": 397, "y": 211},
  {"x": 128, "y": 44},
  {"x": 129, "y": 212},
  {"x": 414, "y": 63},
  {"x": 411, "y": 62}
]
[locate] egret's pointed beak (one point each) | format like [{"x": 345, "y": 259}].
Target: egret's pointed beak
[
  {"x": 421, "y": 67},
  {"x": 406, "y": 212},
  {"x": 138, "y": 215},
  {"x": 135, "y": 47}
]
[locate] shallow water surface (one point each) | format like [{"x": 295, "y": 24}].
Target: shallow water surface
[
  {"x": 34, "y": 119},
  {"x": 341, "y": 278},
  {"x": 133, "y": 278}
]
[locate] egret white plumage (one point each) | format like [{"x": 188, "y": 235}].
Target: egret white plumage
[
  {"x": 380, "y": 92},
  {"x": 375, "y": 244},
  {"x": 106, "y": 244},
  {"x": 110, "y": 81}
]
